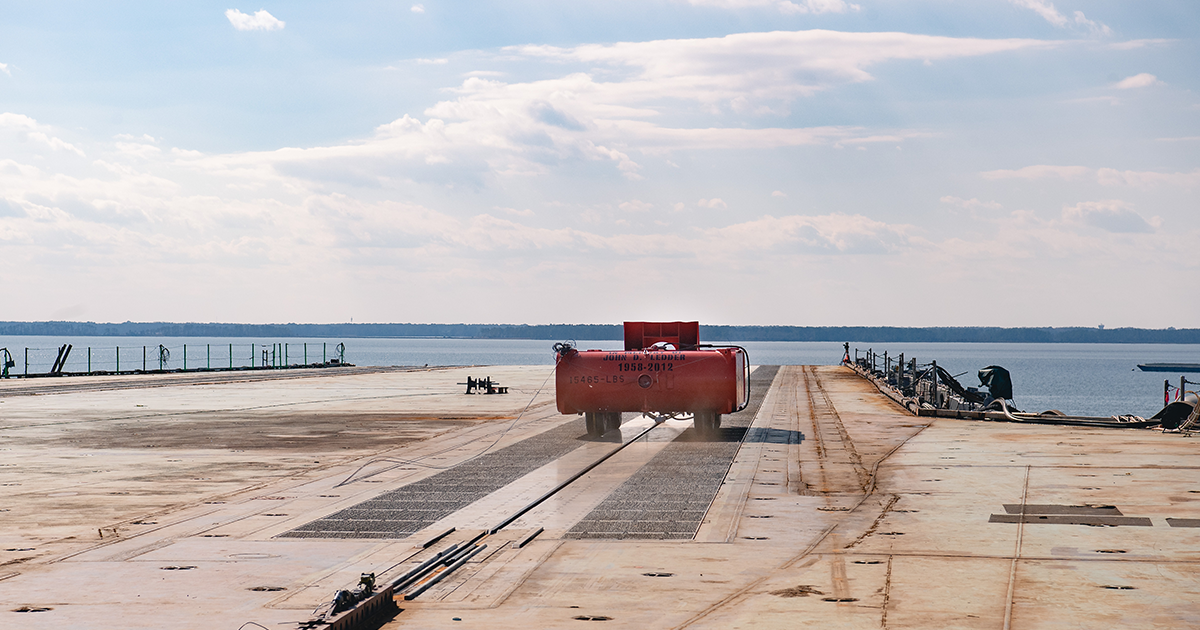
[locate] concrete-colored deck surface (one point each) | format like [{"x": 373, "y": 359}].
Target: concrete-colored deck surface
[{"x": 141, "y": 502}]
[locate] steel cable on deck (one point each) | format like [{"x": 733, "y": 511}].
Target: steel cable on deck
[{"x": 459, "y": 553}]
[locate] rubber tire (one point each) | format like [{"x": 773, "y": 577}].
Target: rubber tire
[
  {"x": 594, "y": 421},
  {"x": 612, "y": 421},
  {"x": 707, "y": 423}
]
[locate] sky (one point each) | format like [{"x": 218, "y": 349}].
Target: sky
[{"x": 738, "y": 162}]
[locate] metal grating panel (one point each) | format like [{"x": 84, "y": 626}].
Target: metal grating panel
[
  {"x": 668, "y": 497},
  {"x": 411, "y": 508}
]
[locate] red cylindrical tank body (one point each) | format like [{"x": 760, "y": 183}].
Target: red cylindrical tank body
[{"x": 663, "y": 381}]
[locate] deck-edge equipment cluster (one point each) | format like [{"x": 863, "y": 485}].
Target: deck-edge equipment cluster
[{"x": 928, "y": 390}]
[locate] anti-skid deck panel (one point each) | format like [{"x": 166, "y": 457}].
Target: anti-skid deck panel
[
  {"x": 668, "y": 497},
  {"x": 408, "y": 509}
]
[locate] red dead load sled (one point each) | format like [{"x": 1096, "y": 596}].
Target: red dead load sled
[{"x": 664, "y": 372}]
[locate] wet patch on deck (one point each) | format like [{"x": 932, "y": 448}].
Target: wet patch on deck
[
  {"x": 411, "y": 508},
  {"x": 668, "y": 497}
]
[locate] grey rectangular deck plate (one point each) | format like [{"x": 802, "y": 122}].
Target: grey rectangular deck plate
[
  {"x": 1183, "y": 522},
  {"x": 1090, "y": 510},
  {"x": 1072, "y": 519}
]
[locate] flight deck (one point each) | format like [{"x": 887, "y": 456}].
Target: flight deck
[{"x": 217, "y": 502}]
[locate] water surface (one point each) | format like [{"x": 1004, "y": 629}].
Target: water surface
[{"x": 1083, "y": 379}]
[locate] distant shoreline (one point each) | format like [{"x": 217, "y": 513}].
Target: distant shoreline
[{"x": 860, "y": 334}]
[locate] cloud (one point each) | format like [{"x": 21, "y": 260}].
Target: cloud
[
  {"x": 635, "y": 205},
  {"x": 1138, "y": 43},
  {"x": 138, "y": 149},
  {"x": 613, "y": 114},
  {"x": 971, "y": 204},
  {"x": 653, "y": 138},
  {"x": 545, "y": 112},
  {"x": 1142, "y": 80},
  {"x": 513, "y": 211},
  {"x": 17, "y": 121},
  {"x": 11, "y": 208},
  {"x": 1052, "y": 15},
  {"x": 616, "y": 107},
  {"x": 142, "y": 138},
  {"x": 786, "y": 7},
  {"x": 1110, "y": 216},
  {"x": 260, "y": 21},
  {"x": 1103, "y": 176},
  {"x": 1147, "y": 179},
  {"x": 760, "y": 66},
  {"x": 712, "y": 203},
  {"x": 417, "y": 8},
  {"x": 4, "y": 69},
  {"x": 1039, "y": 171},
  {"x": 1095, "y": 27},
  {"x": 828, "y": 234},
  {"x": 145, "y": 225},
  {"x": 131, "y": 216},
  {"x": 778, "y": 193},
  {"x": 1044, "y": 9},
  {"x": 20, "y": 123}
]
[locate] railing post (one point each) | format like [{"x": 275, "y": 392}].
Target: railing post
[
  {"x": 143, "y": 358},
  {"x": 251, "y": 355},
  {"x": 26, "y": 361},
  {"x": 89, "y": 359},
  {"x": 185, "y": 357},
  {"x": 118, "y": 359},
  {"x": 208, "y": 355},
  {"x": 305, "y": 353},
  {"x": 936, "y": 393}
]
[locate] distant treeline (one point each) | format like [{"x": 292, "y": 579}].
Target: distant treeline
[{"x": 607, "y": 332}]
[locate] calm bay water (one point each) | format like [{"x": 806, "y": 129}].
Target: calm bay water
[{"x": 1083, "y": 379}]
